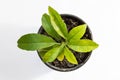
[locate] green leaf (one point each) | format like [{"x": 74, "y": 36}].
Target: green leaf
[
  {"x": 58, "y": 23},
  {"x": 52, "y": 54},
  {"x": 46, "y": 24},
  {"x": 61, "y": 56},
  {"x": 42, "y": 52},
  {"x": 82, "y": 45},
  {"x": 77, "y": 32},
  {"x": 70, "y": 56},
  {"x": 35, "y": 42}
]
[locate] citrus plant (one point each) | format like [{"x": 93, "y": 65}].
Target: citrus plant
[{"x": 59, "y": 42}]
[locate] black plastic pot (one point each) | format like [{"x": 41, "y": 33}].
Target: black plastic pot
[{"x": 64, "y": 66}]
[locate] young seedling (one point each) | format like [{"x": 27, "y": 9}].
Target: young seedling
[{"x": 59, "y": 42}]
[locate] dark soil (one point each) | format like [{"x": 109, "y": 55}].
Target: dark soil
[{"x": 71, "y": 22}]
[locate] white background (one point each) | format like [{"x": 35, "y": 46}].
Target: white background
[{"x": 18, "y": 17}]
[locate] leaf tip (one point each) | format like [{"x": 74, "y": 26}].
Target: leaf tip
[
  {"x": 76, "y": 63},
  {"x": 50, "y": 8},
  {"x": 44, "y": 14},
  {"x": 97, "y": 45},
  {"x": 84, "y": 25}
]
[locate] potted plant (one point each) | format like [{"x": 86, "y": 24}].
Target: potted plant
[{"x": 63, "y": 42}]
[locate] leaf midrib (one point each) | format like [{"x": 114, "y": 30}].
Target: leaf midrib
[
  {"x": 73, "y": 35},
  {"x": 80, "y": 45}
]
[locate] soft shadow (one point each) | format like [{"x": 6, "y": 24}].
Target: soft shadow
[{"x": 23, "y": 70}]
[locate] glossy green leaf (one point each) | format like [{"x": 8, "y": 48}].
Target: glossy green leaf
[
  {"x": 61, "y": 56},
  {"x": 82, "y": 45},
  {"x": 42, "y": 52},
  {"x": 35, "y": 42},
  {"x": 57, "y": 23},
  {"x": 70, "y": 56},
  {"x": 46, "y": 24},
  {"x": 77, "y": 32},
  {"x": 52, "y": 54}
]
